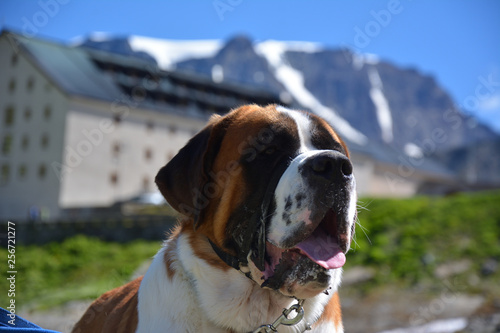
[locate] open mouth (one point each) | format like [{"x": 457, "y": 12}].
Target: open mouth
[{"x": 325, "y": 246}]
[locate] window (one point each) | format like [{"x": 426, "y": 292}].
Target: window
[
  {"x": 25, "y": 142},
  {"x": 145, "y": 184},
  {"x": 172, "y": 129},
  {"x": 22, "y": 171},
  {"x": 14, "y": 59},
  {"x": 27, "y": 114},
  {"x": 44, "y": 142},
  {"x": 148, "y": 154},
  {"x": 42, "y": 171},
  {"x": 113, "y": 178},
  {"x": 116, "y": 149},
  {"x": 30, "y": 84},
  {"x": 7, "y": 144},
  {"x": 4, "y": 174},
  {"x": 9, "y": 115},
  {"x": 12, "y": 86},
  {"x": 47, "y": 112}
]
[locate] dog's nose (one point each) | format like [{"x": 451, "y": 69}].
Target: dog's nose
[{"x": 331, "y": 165}]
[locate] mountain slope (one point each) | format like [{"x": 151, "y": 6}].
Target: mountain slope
[
  {"x": 372, "y": 103},
  {"x": 293, "y": 80},
  {"x": 362, "y": 97},
  {"x": 386, "y": 103},
  {"x": 237, "y": 61}
]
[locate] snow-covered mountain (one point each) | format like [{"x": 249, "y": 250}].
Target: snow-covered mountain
[{"x": 366, "y": 99}]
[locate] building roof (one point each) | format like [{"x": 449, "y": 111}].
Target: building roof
[{"x": 96, "y": 74}]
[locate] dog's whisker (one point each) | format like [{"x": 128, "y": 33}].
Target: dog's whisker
[
  {"x": 363, "y": 206},
  {"x": 364, "y": 229},
  {"x": 355, "y": 243}
]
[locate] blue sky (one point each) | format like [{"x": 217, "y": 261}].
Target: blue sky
[{"x": 456, "y": 41}]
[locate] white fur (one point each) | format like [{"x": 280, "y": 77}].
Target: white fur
[
  {"x": 203, "y": 298},
  {"x": 292, "y": 183},
  {"x": 329, "y": 327},
  {"x": 303, "y": 126}
]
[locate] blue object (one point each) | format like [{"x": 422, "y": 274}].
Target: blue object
[{"x": 21, "y": 324}]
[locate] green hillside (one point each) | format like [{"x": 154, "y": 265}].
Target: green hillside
[
  {"x": 408, "y": 239},
  {"x": 78, "y": 268}
]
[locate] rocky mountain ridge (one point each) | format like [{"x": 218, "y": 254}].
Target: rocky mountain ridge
[{"x": 366, "y": 99}]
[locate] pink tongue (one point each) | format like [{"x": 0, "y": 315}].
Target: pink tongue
[{"x": 323, "y": 250}]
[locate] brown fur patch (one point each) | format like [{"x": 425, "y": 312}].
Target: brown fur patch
[
  {"x": 114, "y": 311},
  {"x": 201, "y": 247},
  {"x": 332, "y": 133},
  {"x": 246, "y": 123},
  {"x": 331, "y": 312}
]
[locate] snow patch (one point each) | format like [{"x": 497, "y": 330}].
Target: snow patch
[
  {"x": 217, "y": 73},
  {"x": 371, "y": 59},
  {"x": 100, "y": 36},
  {"x": 361, "y": 59},
  {"x": 96, "y": 36},
  {"x": 293, "y": 80},
  {"x": 169, "y": 52},
  {"x": 381, "y": 105},
  {"x": 294, "y": 46},
  {"x": 307, "y": 47},
  {"x": 413, "y": 150}
]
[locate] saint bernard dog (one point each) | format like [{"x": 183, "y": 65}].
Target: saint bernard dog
[{"x": 268, "y": 201}]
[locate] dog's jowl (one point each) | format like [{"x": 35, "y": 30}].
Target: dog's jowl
[{"x": 268, "y": 201}]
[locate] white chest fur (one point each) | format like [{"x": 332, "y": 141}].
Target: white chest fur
[{"x": 203, "y": 298}]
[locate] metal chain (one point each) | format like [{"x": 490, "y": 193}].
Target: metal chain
[{"x": 284, "y": 320}]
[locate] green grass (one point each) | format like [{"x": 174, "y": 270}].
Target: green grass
[
  {"x": 408, "y": 239},
  {"x": 78, "y": 268}
]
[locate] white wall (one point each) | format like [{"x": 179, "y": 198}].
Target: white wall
[
  {"x": 91, "y": 158},
  {"x": 387, "y": 181},
  {"x": 36, "y": 188},
  {"x": 363, "y": 171}
]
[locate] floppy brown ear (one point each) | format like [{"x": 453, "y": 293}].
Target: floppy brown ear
[{"x": 181, "y": 181}]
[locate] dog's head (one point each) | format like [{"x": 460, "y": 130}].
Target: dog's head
[{"x": 273, "y": 188}]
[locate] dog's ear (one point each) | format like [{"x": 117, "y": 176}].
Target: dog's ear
[{"x": 183, "y": 179}]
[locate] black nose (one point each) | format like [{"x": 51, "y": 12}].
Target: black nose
[{"x": 330, "y": 165}]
